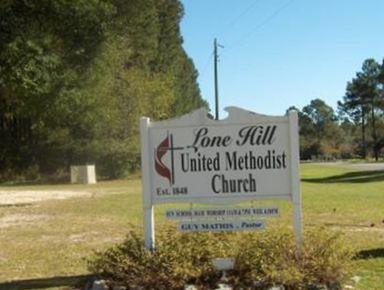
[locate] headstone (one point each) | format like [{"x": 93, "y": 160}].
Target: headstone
[{"x": 84, "y": 174}]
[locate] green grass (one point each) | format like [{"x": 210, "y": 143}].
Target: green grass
[{"x": 48, "y": 251}]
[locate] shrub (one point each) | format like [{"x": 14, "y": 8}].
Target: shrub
[
  {"x": 178, "y": 259},
  {"x": 325, "y": 258},
  {"x": 272, "y": 258},
  {"x": 266, "y": 259},
  {"x": 262, "y": 260}
]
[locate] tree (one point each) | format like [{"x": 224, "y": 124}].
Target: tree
[
  {"x": 319, "y": 130},
  {"x": 363, "y": 103},
  {"x": 45, "y": 49},
  {"x": 75, "y": 76},
  {"x": 356, "y": 108},
  {"x": 321, "y": 116},
  {"x": 308, "y": 145}
]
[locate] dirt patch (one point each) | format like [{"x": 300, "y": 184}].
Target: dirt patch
[
  {"x": 83, "y": 237},
  {"x": 365, "y": 229},
  {"x": 94, "y": 237},
  {"x": 20, "y": 219},
  {"x": 14, "y": 197}
]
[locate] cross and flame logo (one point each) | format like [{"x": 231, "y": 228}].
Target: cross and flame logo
[{"x": 163, "y": 170}]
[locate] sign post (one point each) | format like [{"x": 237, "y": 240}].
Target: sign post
[
  {"x": 295, "y": 178},
  {"x": 149, "y": 221},
  {"x": 245, "y": 157}
]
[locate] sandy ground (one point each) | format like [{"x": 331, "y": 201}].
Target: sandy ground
[
  {"x": 20, "y": 219},
  {"x": 26, "y": 197},
  {"x": 15, "y": 197}
]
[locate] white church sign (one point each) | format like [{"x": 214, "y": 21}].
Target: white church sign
[{"x": 194, "y": 159}]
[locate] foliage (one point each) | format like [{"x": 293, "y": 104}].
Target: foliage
[
  {"x": 272, "y": 259},
  {"x": 45, "y": 48},
  {"x": 320, "y": 133},
  {"x": 363, "y": 103},
  {"x": 75, "y": 76},
  {"x": 261, "y": 260},
  {"x": 178, "y": 260},
  {"x": 356, "y": 130}
]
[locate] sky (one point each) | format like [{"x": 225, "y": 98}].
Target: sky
[{"x": 281, "y": 53}]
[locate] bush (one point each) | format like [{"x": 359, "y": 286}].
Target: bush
[
  {"x": 178, "y": 259},
  {"x": 271, "y": 258},
  {"x": 261, "y": 260}
]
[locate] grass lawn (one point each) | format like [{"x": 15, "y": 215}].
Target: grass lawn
[{"x": 44, "y": 245}]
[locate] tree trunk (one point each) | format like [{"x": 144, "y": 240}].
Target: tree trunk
[
  {"x": 374, "y": 135},
  {"x": 364, "y": 151}
]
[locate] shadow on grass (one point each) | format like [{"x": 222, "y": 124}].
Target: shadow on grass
[
  {"x": 350, "y": 177},
  {"x": 43, "y": 283},
  {"x": 16, "y": 204},
  {"x": 370, "y": 254}
]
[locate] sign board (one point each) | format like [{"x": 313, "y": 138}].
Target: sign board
[
  {"x": 221, "y": 226},
  {"x": 230, "y": 212},
  {"x": 195, "y": 159}
]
